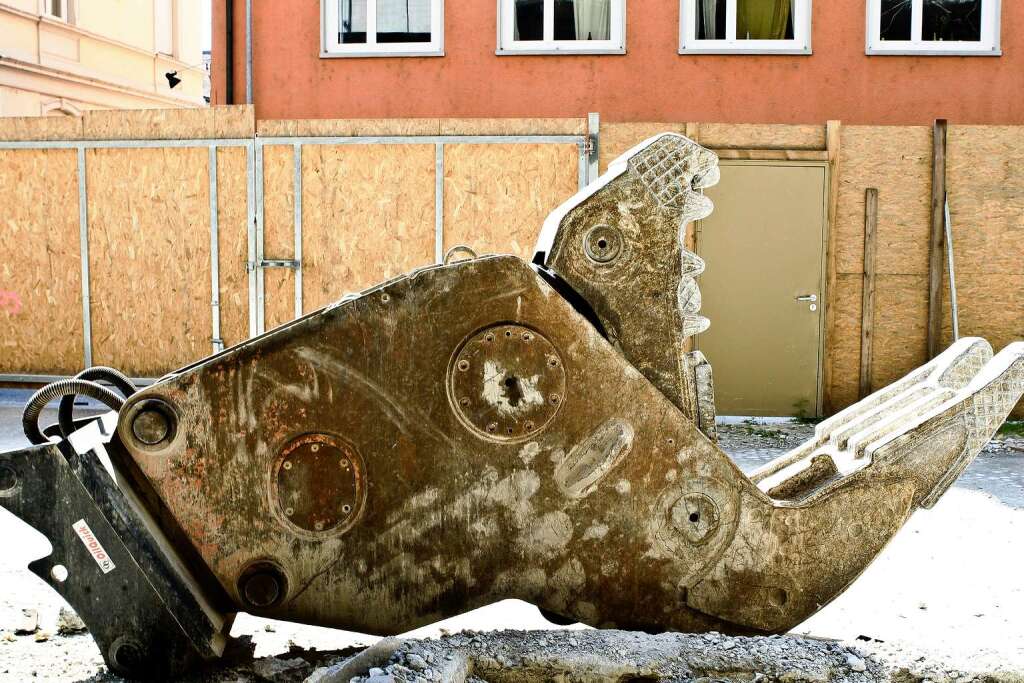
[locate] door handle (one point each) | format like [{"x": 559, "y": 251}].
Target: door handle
[{"x": 807, "y": 297}]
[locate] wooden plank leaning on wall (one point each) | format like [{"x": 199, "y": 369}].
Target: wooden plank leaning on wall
[
  {"x": 867, "y": 326},
  {"x": 936, "y": 240}
]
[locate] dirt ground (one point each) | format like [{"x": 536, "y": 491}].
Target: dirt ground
[{"x": 942, "y": 603}]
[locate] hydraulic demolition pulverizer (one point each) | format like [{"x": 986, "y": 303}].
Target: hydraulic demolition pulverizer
[{"x": 477, "y": 430}]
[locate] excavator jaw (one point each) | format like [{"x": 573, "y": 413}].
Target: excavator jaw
[{"x": 481, "y": 430}]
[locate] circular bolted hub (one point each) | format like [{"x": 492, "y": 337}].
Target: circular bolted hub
[
  {"x": 603, "y": 244},
  {"x": 262, "y": 585},
  {"x": 506, "y": 382},
  {"x": 318, "y": 483}
]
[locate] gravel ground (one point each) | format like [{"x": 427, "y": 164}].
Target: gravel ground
[{"x": 942, "y": 603}]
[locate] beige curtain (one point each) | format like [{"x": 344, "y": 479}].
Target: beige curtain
[
  {"x": 762, "y": 19},
  {"x": 593, "y": 19}
]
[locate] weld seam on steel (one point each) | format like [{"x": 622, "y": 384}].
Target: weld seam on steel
[{"x": 83, "y": 247}]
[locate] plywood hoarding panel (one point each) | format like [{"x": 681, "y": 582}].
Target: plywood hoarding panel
[
  {"x": 233, "y": 244},
  {"x": 40, "y": 263},
  {"x": 496, "y": 197},
  {"x": 368, "y": 215},
  {"x": 149, "y": 258},
  {"x": 278, "y": 233}
]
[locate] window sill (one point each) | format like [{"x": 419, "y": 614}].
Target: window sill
[
  {"x": 744, "y": 51},
  {"x": 927, "y": 52},
  {"x": 379, "y": 53},
  {"x": 549, "y": 52}
]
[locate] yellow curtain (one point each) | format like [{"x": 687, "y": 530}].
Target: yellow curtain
[{"x": 762, "y": 19}]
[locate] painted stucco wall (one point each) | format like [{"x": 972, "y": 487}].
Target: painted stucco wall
[
  {"x": 652, "y": 82},
  {"x": 102, "y": 57}
]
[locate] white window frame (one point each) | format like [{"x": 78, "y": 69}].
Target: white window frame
[
  {"x": 730, "y": 45},
  {"x": 65, "y": 6},
  {"x": 508, "y": 45},
  {"x": 331, "y": 47},
  {"x": 988, "y": 46}
]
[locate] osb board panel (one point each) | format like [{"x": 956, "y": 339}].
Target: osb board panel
[
  {"x": 844, "y": 347},
  {"x": 496, "y": 197},
  {"x": 986, "y": 198},
  {"x": 617, "y": 138},
  {"x": 761, "y": 136},
  {"x": 233, "y": 244},
  {"x": 358, "y": 127},
  {"x": 346, "y": 127},
  {"x": 901, "y": 316},
  {"x": 278, "y": 233},
  {"x": 367, "y": 215},
  {"x": 149, "y": 258},
  {"x": 169, "y": 124},
  {"x": 897, "y": 161},
  {"x": 513, "y": 126},
  {"x": 40, "y": 128},
  {"x": 40, "y": 263}
]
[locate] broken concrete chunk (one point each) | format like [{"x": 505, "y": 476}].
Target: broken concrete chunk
[
  {"x": 29, "y": 623},
  {"x": 69, "y": 623}
]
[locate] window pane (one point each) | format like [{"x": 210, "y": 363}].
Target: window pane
[
  {"x": 895, "y": 20},
  {"x": 56, "y": 8},
  {"x": 764, "y": 19},
  {"x": 352, "y": 14},
  {"x": 529, "y": 20},
  {"x": 403, "y": 21},
  {"x": 583, "y": 19},
  {"x": 710, "y": 19},
  {"x": 951, "y": 20}
]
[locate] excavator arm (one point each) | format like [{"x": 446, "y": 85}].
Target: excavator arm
[{"x": 479, "y": 430}]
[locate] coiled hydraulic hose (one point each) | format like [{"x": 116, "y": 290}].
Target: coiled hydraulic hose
[
  {"x": 65, "y": 414},
  {"x": 64, "y": 387}
]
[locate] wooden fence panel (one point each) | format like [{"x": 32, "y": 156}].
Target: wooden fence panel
[
  {"x": 40, "y": 263},
  {"x": 149, "y": 257}
]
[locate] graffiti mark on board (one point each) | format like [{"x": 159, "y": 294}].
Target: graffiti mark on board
[{"x": 10, "y": 302}]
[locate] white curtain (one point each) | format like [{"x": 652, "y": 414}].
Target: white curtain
[
  {"x": 593, "y": 19},
  {"x": 709, "y": 11}
]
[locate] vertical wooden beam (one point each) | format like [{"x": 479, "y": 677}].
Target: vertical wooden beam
[
  {"x": 867, "y": 309},
  {"x": 833, "y": 130},
  {"x": 935, "y": 241}
]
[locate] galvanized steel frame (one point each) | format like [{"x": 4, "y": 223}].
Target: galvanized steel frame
[{"x": 587, "y": 146}]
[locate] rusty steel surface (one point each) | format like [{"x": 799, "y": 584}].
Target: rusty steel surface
[{"x": 492, "y": 429}]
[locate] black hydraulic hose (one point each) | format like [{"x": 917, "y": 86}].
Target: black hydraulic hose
[
  {"x": 65, "y": 387},
  {"x": 66, "y": 411}
]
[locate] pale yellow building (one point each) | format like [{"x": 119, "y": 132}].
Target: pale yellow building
[{"x": 62, "y": 57}]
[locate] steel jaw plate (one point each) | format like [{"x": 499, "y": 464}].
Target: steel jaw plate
[
  {"x": 108, "y": 564},
  {"x": 462, "y": 435}
]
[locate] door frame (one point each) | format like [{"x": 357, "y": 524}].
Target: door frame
[{"x": 826, "y": 227}]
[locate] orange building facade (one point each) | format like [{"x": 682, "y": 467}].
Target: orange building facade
[{"x": 744, "y": 61}]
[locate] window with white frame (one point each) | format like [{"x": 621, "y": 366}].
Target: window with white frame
[
  {"x": 940, "y": 27},
  {"x": 561, "y": 26},
  {"x": 56, "y": 9},
  {"x": 745, "y": 26},
  {"x": 382, "y": 28}
]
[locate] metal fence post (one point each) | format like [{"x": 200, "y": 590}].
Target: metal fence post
[
  {"x": 218, "y": 343},
  {"x": 439, "y": 202},
  {"x": 83, "y": 247},
  {"x": 593, "y": 146},
  {"x": 297, "y": 190}
]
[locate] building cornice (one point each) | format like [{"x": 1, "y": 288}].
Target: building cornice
[
  {"x": 50, "y": 73},
  {"x": 72, "y": 28}
]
